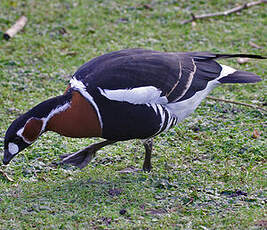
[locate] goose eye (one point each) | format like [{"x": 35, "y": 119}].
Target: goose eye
[{"x": 16, "y": 139}]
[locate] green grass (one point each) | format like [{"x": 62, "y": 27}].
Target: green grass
[{"x": 208, "y": 172}]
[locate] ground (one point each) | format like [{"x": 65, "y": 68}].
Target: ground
[{"x": 208, "y": 172}]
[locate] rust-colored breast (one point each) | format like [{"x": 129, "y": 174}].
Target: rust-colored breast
[{"x": 80, "y": 120}]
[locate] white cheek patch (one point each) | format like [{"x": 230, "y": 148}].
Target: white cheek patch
[{"x": 13, "y": 148}]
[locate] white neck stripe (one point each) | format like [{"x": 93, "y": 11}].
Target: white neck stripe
[
  {"x": 53, "y": 112},
  {"x": 80, "y": 87}
]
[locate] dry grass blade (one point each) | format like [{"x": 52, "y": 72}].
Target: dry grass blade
[
  {"x": 6, "y": 176},
  {"x": 224, "y": 13},
  {"x": 237, "y": 103}
]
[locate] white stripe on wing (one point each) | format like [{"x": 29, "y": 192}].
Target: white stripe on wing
[{"x": 137, "y": 96}]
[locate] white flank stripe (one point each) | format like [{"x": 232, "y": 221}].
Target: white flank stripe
[
  {"x": 226, "y": 70},
  {"x": 154, "y": 106},
  {"x": 78, "y": 85},
  {"x": 169, "y": 120},
  {"x": 139, "y": 95},
  {"x": 184, "y": 108},
  {"x": 163, "y": 117}
]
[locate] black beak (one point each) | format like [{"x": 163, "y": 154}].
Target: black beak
[{"x": 7, "y": 157}]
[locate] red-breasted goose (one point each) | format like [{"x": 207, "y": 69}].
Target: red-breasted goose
[{"x": 128, "y": 94}]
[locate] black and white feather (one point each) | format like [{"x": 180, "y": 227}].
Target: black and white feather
[{"x": 139, "y": 93}]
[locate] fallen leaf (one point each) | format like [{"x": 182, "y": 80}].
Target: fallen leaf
[
  {"x": 256, "y": 134},
  {"x": 235, "y": 193},
  {"x": 156, "y": 211},
  {"x": 123, "y": 211},
  {"x": 62, "y": 30},
  {"x": 242, "y": 60},
  {"x": 130, "y": 169},
  {"x": 254, "y": 45},
  {"x": 262, "y": 223},
  {"x": 148, "y": 7},
  {"x": 115, "y": 192},
  {"x": 107, "y": 220},
  {"x": 122, "y": 20},
  {"x": 194, "y": 24}
]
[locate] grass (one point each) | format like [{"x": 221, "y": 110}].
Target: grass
[{"x": 208, "y": 172}]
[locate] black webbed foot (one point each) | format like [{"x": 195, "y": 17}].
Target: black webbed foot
[{"x": 83, "y": 157}]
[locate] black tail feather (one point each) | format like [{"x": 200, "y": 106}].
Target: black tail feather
[
  {"x": 208, "y": 55},
  {"x": 239, "y": 55},
  {"x": 240, "y": 77}
]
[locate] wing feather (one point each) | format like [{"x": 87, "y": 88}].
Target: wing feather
[{"x": 176, "y": 76}]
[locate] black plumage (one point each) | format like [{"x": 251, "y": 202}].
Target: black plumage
[
  {"x": 134, "y": 93},
  {"x": 179, "y": 76}
]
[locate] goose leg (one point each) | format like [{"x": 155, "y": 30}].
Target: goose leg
[
  {"x": 83, "y": 157},
  {"x": 148, "y": 144}
]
